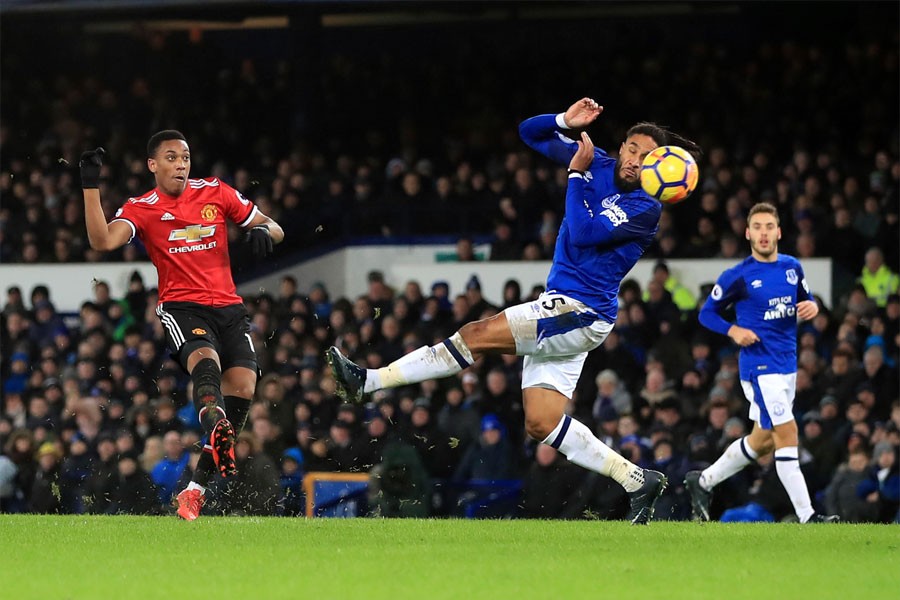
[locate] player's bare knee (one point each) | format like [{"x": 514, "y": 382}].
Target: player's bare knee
[
  {"x": 476, "y": 337},
  {"x": 765, "y": 447},
  {"x": 538, "y": 427},
  {"x": 473, "y": 334},
  {"x": 243, "y": 388},
  {"x": 785, "y": 434}
]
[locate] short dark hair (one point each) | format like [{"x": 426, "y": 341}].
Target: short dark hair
[
  {"x": 159, "y": 137},
  {"x": 766, "y": 208}
]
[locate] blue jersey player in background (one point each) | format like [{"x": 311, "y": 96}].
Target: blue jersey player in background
[
  {"x": 609, "y": 223},
  {"x": 769, "y": 293}
]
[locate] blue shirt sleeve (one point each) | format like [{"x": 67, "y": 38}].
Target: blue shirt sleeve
[
  {"x": 612, "y": 225},
  {"x": 803, "y": 291},
  {"x": 729, "y": 289},
  {"x": 543, "y": 134}
]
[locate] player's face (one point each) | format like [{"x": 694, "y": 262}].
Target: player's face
[
  {"x": 763, "y": 232},
  {"x": 631, "y": 155},
  {"x": 171, "y": 166}
]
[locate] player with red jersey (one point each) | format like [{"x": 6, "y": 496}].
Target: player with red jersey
[{"x": 183, "y": 224}]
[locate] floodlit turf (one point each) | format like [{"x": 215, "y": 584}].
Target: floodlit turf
[{"x": 250, "y": 558}]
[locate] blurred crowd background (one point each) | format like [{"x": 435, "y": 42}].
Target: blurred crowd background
[{"x": 399, "y": 132}]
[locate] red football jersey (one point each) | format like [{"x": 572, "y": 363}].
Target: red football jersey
[{"x": 187, "y": 239}]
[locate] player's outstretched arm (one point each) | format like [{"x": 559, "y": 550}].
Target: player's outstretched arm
[
  {"x": 101, "y": 235},
  {"x": 542, "y": 133}
]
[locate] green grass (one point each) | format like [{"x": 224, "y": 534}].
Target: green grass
[{"x": 250, "y": 558}]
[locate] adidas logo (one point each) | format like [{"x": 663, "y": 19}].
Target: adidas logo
[{"x": 167, "y": 217}]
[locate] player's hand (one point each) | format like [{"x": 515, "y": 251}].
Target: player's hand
[
  {"x": 582, "y": 113},
  {"x": 742, "y": 337},
  {"x": 584, "y": 156},
  {"x": 90, "y": 164},
  {"x": 260, "y": 241},
  {"x": 806, "y": 310}
]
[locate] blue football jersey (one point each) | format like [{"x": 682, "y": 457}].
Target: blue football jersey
[
  {"x": 605, "y": 230},
  {"x": 765, "y": 297}
]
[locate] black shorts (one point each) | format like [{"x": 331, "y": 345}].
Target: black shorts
[{"x": 190, "y": 326}]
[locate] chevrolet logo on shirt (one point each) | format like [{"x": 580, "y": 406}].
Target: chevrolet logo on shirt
[{"x": 192, "y": 233}]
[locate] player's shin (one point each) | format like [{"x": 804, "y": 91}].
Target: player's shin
[
  {"x": 787, "y": 465},
  {"x": 237, "y": 409},
  {"x": 737, "y": 456},
  {"x": 206, "y": 467},
  {"x": 573, "y": 439},
  {"x": 207, "y": 379},
  {"x": 442, "y": 360}
]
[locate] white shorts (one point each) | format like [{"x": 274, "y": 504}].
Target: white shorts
[
  {"x": 771, "y": 398},
  {"x": 555, "y": 333}
]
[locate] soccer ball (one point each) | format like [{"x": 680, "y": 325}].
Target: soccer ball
[{"x": 669, "y": 174}]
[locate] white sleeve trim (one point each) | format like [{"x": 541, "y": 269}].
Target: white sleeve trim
[
  {"x": 561, "y": 121},
  {"x": 130, "y": 224},
  {"x": 576, "y": 176},
  {"x": 250, "y": 218}
]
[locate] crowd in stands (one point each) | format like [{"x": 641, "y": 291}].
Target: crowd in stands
[{"x": 95, "y": 417}]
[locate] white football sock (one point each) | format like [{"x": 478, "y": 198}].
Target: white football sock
[
  {"x": 737, "y": 456},
  {"x": 442, "y": 360},
  {"x": 787, "y": 466},
  {"x": 580, "y": 446}
]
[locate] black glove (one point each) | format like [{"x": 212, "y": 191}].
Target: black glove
[
  {"x": 90, "y": 164},
  {"x": 260, "y": 241}
]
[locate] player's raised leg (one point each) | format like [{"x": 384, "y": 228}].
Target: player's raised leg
[{"x": 449, "y": 357}]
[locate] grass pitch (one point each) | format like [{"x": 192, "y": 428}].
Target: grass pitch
[{"x": 250, "y": 558}]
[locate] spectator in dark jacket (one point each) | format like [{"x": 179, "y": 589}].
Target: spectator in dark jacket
[
  {"x": 489, "y": 459},
  {"x": 135, "y": 493},
  {"x": 881, "y": 489},
  {"x": 842, "y": 497},
  {"x": 459, "y": 421},
  {"x": 292, "y": 502},
  {"x": 255, "y": 489},
  {"x": 74, "y": 473},
  {"x": 45, "y": 498},
  {"x": 20, "y": 448},
  {"x": 552, "y": 486},
  {"x": 822, "y": 449},
  {"x": 430, "y": 442},
  {"x": 101, "y": 483}
]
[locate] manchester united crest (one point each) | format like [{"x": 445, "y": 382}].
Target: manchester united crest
[{"x": 209, "y": 212}]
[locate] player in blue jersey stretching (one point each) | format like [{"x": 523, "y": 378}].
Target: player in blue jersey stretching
[
  {"x": 608, "y": 224},
  {"x": 769, "y": 293}
]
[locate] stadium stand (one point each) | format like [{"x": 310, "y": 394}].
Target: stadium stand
[{"x": 346, "y": 142}]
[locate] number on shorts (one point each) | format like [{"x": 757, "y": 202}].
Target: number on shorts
[{"x": 551, "y": 303}]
